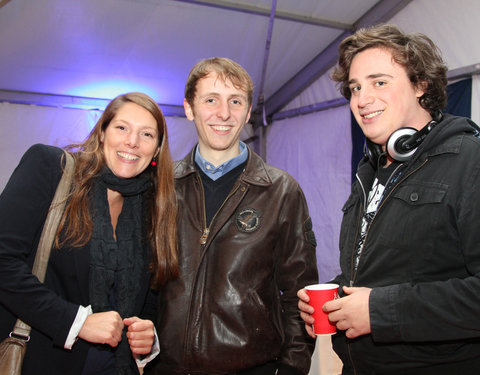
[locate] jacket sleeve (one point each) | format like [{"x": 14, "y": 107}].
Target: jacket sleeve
[
  {"x": 447, "y": 307},
  {"x": 23, "y": 208},
  {"x": 296, "y": 268}
]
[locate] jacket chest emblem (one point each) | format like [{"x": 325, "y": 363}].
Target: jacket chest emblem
[{"x": 248, "y": 220}]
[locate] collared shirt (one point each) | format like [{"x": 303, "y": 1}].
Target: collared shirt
[{"x": 216, "y": 172}]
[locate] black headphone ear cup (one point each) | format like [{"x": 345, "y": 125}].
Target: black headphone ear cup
[
  {"x": 374, "y": 153},
  {"x": 395, "y": 141}
]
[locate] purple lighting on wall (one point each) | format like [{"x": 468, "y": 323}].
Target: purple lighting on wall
[{"x": 109, "y": 89}]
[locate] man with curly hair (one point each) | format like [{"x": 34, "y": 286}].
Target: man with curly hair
[{"x": 409, "y": 242}]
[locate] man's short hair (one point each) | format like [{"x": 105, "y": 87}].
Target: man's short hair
[
  {"x": 226, "y": 69},
  {"x": 415, "y": 52}
]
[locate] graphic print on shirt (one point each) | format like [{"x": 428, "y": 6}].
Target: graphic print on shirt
[{"x": 374, "y": 198}]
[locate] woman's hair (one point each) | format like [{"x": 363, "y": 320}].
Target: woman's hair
[
  {"x": 226, "y": 69},
  {"x": 75, "y": 227},
  {"x": 420, "y": 57}
]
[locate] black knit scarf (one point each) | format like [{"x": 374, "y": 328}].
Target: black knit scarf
[{"x": 116, "y": 266}]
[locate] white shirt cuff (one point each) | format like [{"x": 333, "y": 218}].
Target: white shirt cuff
[
  {"x": 155, "y": 351},
  {"x": 82, "y": 314}
]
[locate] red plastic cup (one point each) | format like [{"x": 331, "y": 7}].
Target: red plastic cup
[{"x": 320, "y": 294}]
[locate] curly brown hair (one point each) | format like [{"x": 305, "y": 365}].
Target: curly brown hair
[
  {"x": 415, "y": 52},
  {"x": 75, "y": 228}
]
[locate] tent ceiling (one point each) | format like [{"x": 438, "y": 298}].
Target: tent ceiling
[{"x": 63, "y": 52}]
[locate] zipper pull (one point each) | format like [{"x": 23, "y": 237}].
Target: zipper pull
[
  {"x": 203, "y": 238},
  {"x": 351, "y": 283}
]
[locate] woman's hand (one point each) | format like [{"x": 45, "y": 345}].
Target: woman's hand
[
  {"x": 141, "y": 335},
  {"x": 102, "y": 328}
]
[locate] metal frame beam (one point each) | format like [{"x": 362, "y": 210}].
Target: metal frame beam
[
  {"x": 259, "y": 11},
  {"x": 317, "y": 107},
  {"x": 70, "y": 101},
  {"x": 464, "y": 72}
]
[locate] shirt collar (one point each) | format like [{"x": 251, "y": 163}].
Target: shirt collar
[{"x": 216, "y": 172}]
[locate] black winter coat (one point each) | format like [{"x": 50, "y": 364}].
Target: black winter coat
[
  {"x": 422, "y": 259},
  {"x": 50, "y": 308}
]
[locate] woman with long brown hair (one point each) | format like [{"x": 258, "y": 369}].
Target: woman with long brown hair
[{"x": 115, "y": 245}]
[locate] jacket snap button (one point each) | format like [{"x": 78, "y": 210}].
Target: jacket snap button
[{"x": 414, "y": 197}]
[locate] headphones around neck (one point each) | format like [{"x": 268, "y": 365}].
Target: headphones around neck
[{"x": 401, "y": 144}]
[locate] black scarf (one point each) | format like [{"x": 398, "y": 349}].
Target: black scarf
[{"x": 116, "y": 266}]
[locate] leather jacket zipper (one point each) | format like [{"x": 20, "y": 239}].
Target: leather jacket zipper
[
  {"x": 206, "y": 230},
  {"x": 203, "y": 241},
  {"x": 203, "y": 238}
]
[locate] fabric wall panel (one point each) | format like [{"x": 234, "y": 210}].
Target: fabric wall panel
[
  {"x": 24, "y": 125},
  {"x": 316, "y": 150}
]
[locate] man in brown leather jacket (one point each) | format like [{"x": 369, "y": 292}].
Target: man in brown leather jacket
[{"x": 246, "y": 246}]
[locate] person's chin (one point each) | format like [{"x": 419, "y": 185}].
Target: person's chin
[{"x": 126, "y": 174}]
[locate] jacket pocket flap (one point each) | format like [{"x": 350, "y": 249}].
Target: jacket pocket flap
[
  {"x": 349, "y": 203},
  {"x": 417, "y": 194}
]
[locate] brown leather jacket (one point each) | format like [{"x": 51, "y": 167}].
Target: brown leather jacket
[{"x": 234, "y": 305}]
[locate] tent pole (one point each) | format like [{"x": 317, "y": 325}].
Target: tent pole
[{"x": 260, "y": 117}]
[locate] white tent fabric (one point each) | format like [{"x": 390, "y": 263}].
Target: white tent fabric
[
  {"x": 97, "y": 48},
  {"x": 316, "y": 150},
  {"x": 24, "y": 125}
]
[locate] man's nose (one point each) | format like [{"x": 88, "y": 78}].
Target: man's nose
[{"x": 223, "y": 110}]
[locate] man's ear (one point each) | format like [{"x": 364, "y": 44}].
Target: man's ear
[
  {"x": 188, "y": 110},
  {"x": 421, "y": 88},
  {"x": 249, "y": 113}
]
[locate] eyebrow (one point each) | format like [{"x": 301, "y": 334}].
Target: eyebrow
[
  {"x": 235, "y": 95},
  {"x": 371, "y": 76},
  {"x": 142, "y": 126}
]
